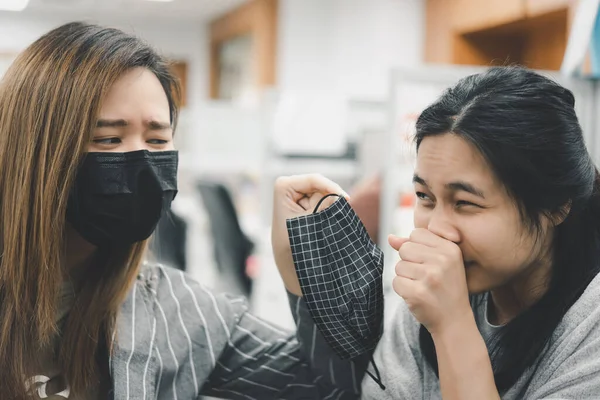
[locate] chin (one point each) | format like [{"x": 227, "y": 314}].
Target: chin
[{"x": 476, "y": 282}]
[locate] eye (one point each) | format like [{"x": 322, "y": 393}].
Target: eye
[
  {"x": 107, "y": 141},
  {"x": 423, "y": 198},
  {"x": 462, "y": 203},
  {"x": 158, "y": 141}
]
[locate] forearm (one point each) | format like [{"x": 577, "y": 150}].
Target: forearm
[
  {"x": 287, "y": 270},
  {"x": 465, "y": 369}
]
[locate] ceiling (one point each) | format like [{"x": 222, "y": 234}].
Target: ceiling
[{"x": 201, "y": 10}]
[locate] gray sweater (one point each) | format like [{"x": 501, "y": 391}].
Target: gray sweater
[{"x": 569, "y": 369}]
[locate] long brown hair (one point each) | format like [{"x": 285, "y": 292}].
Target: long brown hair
[{"x": 50, "y": 99}]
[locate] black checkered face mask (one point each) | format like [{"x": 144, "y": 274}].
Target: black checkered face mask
[{"x": 340, "y": 271}]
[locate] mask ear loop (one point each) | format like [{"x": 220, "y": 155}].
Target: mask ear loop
[
  {"x": 377, "y": 376},
  {"x": 321, "y": 201}
]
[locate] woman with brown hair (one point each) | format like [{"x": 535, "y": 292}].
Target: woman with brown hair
[{"x": 87, "y": 167}]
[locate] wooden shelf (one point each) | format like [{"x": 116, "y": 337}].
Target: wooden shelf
[
  {"x": 533, "y": 33},
  {"x": 472, "y": 16},
  {"x": 257, "y": 18}
]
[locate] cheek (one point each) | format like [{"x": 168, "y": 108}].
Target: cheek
[
  {"x": 500, "y": 251},
  {"x": 494, "y": 237},
  {"x": 420, "y": 217},
  {"x": 490, "y": 241}
]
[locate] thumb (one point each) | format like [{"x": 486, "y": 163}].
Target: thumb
[{"x": 396, "y": 242}]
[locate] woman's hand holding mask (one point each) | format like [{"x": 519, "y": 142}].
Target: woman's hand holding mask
[
  {"x": 296, "y": 196},
  {"x": 431, "y": 278}
]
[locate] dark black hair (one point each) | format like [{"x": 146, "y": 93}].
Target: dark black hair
[{"x": 525, "y": 126}]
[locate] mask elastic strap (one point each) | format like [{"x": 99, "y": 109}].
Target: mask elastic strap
[
  {"x": 321, "y": 201},
  {"x": 377, "y": 378}
]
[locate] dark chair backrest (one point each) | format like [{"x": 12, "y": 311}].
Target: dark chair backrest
[
  {"x": 232, "y": 247},
  {"x": 168, "y": 242}
]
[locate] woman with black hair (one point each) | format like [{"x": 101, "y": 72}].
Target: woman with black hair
[{"x": 499, "y": 278}]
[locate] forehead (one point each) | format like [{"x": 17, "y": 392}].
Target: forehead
[
  {"x": 445, "y": 158},
  {"x": 136, "y": 91}
]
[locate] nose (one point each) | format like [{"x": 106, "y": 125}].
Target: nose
[
  {"x": 134, "y": 143},
  {"x": 442, "y": 225}
]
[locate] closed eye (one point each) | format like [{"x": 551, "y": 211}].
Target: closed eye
[{"x": 466, "y": 203}]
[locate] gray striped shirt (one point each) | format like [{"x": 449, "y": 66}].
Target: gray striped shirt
[{"x": 177, "y": 340}]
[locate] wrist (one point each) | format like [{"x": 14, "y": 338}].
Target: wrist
[
  {"x": 465, "y": 369},
  {"x": 456, "y": 328}
]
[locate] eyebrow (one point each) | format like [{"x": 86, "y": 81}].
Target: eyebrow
[
  {"x": 120, "y": 123},
  {"x": 456, "y": 186}
]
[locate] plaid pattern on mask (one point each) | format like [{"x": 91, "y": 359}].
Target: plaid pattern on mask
[{"x": 340, "y": 272}]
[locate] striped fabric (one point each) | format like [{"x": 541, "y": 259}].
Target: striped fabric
[{"x": 177, "y": 340}]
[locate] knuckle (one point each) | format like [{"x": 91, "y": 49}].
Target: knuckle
[
  {"x": 408, "y": 245},
  {"x": 442, "y": 259},
  {"x": 314, "y": 177},
  {"x": 434, "y": 278},
  {"x": 414, "y": 234},
  {"x": 404, "y": 250},
  {"x": 281, "y": 182},
  {"x": 454, "y": 251}
]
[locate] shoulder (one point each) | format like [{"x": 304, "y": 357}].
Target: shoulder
[
  {"x": 579, "y": 330},
  {"x": 576, "y": 340},
  {"x": 584, "y": 314},
  {"x": 570, "y": 368}
]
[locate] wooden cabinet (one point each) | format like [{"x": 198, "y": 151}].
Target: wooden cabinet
[
  {"x": 258, "y": 20},
  {"x": 533, "y": 33},
  {"x": 535, "y": 8},
  {"x": 474, "y": 15},
  {"x": 438, "y": 32}
]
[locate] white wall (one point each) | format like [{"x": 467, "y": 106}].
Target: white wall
[
  {"x": 185, "y": 41},
  {"x": 347, "y": 45}
]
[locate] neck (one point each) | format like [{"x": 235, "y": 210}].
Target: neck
[
  {"x": 519, "y": 294},
  {"x": 78, "y": 255}
]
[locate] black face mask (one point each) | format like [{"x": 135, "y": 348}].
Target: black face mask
[{"x": 118, "y": 198}]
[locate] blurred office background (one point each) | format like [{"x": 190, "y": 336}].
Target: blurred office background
[{"x": 280, "y": 87}]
